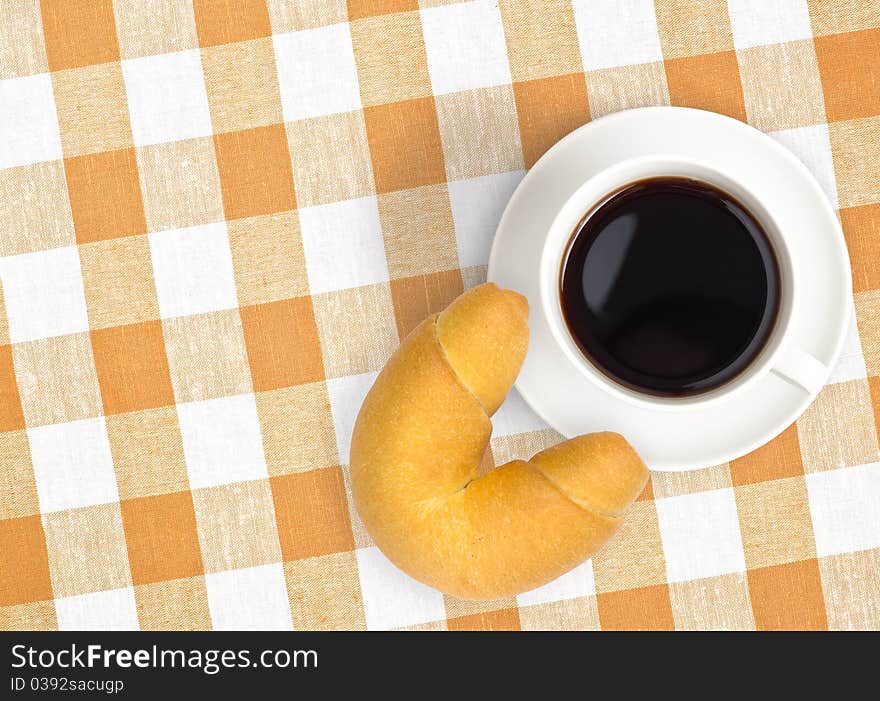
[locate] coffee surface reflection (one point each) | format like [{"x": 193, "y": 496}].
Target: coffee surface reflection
[{"x": 670, "y": 287}]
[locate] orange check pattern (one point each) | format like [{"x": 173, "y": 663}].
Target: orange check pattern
[{"x": 219, "y": 217}]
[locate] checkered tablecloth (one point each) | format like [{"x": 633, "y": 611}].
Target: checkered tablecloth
[{"x": 217, "y": 220}]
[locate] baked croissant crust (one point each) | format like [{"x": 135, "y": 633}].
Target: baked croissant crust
[{"x": 418, "y": 442}]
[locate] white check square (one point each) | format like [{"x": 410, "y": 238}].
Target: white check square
[
  {"x": 465, "y": 46},
  {"x": 607, "y": 41},
  {"x": 167, "y": 99},
  {"x": 343, "y": 245},
  {"x": 29, "y": 131},
  {"x": 845, "y": 506},
  {"x": 222, "y": 442},
  {"x": 393, "y": 599},
  {"x": 477, "y": 204},
  {"x": 346, "y": 396},
  {"x": 104, "y": 610},
  {"x": 44, "y": 294},
  {"x": 701, "y": 536},
  {"x": 317, "y": 74},
  {"x": 193, "y": 270},
  {"x": 250, "y": 599},
  {"x": 572, "y": 585},
  {"x": 73, "y": 466},
  {"x": 762, "y": 22}
]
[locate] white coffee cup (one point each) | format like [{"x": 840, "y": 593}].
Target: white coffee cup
[{"x": 779, "y": 355}]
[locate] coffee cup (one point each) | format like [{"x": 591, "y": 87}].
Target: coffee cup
[{"x": 778, "y": 353}]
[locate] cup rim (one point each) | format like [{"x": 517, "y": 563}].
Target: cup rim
[{"x": 552, "y": 257}]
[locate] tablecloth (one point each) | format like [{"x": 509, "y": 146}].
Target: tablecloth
[{"x": 217, "y": 220}]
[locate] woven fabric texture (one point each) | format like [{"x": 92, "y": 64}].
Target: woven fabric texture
[{"x": 218, "y": 218}]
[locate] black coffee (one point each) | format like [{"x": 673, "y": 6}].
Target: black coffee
[{"x": 670, "y": 287}]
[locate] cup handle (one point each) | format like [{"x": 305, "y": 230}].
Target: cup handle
[{"x": 801, "y": 368}]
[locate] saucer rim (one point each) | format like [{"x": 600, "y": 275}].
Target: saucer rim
[{"x": 843, "y": 275}]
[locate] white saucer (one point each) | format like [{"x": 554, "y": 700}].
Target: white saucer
[{"x": 685, "y": 439}]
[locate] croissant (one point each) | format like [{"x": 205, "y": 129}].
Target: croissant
[{"x": 420, "y": 437}]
